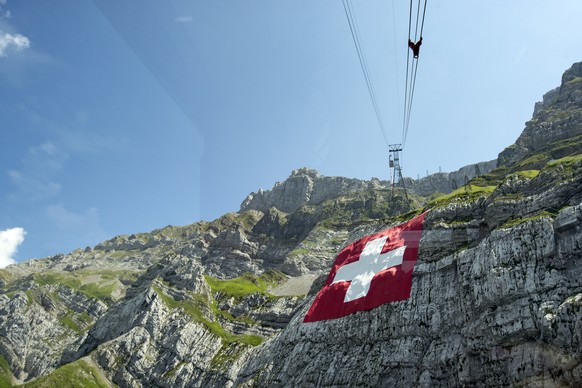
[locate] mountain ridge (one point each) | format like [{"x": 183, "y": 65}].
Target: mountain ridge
[{"x": 496, "y": 296}]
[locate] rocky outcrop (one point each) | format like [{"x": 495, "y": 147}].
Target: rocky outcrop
[
  {"x": 305, "y": 187},
  {"x": 557, "y": 117},
  {"x": 37, "y": 326},
  {"x": 446, "y": 182}
]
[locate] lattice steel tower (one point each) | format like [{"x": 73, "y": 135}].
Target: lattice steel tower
[{"x": 395, "y": 169}]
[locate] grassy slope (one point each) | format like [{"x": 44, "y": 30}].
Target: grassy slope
[
  {"x": 82, "y": 373},
  {"x": 6, "y": 377}
]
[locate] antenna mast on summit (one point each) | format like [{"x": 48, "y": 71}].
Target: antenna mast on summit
[{"x": 396, "y": 169}]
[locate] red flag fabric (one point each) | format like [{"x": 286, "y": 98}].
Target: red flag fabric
[{"x": 371, "y": 271}]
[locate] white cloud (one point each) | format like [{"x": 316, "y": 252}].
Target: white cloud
[
  {"x": 10, "y": 239},
  {"x": 9, "y": 41}
]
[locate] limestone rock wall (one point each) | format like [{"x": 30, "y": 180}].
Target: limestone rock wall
[
  {"x": 304, "y": 186},
  {"x": 504, "y": 312}
]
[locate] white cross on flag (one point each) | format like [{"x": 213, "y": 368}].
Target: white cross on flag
[{"x": 371, "y": 271}]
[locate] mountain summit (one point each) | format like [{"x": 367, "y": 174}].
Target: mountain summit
[{"x": 496, "y": 294}]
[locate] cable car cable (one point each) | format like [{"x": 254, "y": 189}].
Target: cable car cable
[
  {"x": 413, "y": 65},
  {"x": 361, "y": 55}
]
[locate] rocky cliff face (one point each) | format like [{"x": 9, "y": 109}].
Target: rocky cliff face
[
  {"x": 446, "y": 182},
  {"x": 496, "y": 297},
  {"x": 557, "y": 117},
  {"x": 307, "y": 187},
  {"x": 493, "y": 303}
]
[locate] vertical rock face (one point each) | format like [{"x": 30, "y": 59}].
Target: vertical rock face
[
  {"x": 496, "y": 294},
  {"x": 506, "y": 311}
]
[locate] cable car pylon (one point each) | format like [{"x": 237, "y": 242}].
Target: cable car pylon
[{"x": 396, "y": 169}]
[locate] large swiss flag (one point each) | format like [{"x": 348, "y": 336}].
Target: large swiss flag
[{"x": 369, "y": 272}]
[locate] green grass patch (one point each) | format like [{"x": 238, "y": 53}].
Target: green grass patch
[
  {"x": 435, "y": 195},
  {"x": 68, "y": 321},
  {"x": 54, "y": 278},
  {"x": 512, "y": 222},
  {"x": 79, "y": 323},
  {"x": 28, "y": 293},
  {"x": 85, "y": 318},
  {"x": 463, "y": 247},
  {"x": 571, "y": 166},
  {"x": 493, "y": 178},
  {"x": 574, "y": 80},
  {"x": 172, "y": 372},
  {"x": 510, "y": 197},
  {"x": 246, "y": 284},
  {"x": 193, "y": 307},
  {"x": 29, "y": 296},
  {"x": 6, "y": 376},
  {"x": 556, "y": 150},
  {"x": 562, "y": 148},
  {"x": 225, "y": 356},
  {"x": 567, "y": 161},
  {"x": 248, "y": 339},
  {"x": 186, "y": 231},
  {"x": 228, "y": 316},
  {"x": 339, "y": 239},
  {"x": 5, "y": 277},
  {"x": 246, "y": 219},
  {"x": 298, "y": 251},
  {"x": 528, "y": 174},
  {"x": 465, "y": 194},
  {"x": 532, "y": 162},
  {"x": 78, "y": 374},
  {"x": 408, "y": 216},
  {"x": 98, "y": 291},
  {"x": 83, "y": 281},
  {"x": 521, "y": 175}
]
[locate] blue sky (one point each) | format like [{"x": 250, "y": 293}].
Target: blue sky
[{"x": 122, "y": 117}]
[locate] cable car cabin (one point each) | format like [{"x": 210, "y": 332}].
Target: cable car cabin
[{"x": 391, "y": 162}]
